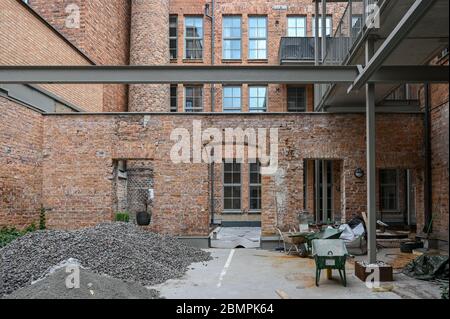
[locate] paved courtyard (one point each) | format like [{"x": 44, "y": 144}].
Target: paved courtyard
[{"x": 258, "y": 274}]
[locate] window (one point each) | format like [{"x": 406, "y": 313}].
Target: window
[
  {"x": 296, "y": 27},
  {"x": 257, "y": 38},
  {"x": 173, "y": 36},
  {"x": 257, "y": 98},
  {"x": 255, "y": 186},
  {"x": 389, "y": 189},
  {"x": 173, "y": 98},
  {"x": 193, "y": 99},
  {"x": 231, "y": 37},
  {"x": 296, "y": 99},
  {"x": 232, "y": 186},
  {"x": 329, "y": 26},
  {"x": 232, "y": 99},
  {"x": 193, "y": 34}
]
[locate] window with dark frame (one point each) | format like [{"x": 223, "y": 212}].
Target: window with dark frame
[
  {"x": 296, "y": 99},
  {"x": 255, "y": 186},
  {"x": 173, "y": 36},
  {"x": 232, "y": 37},
  {"x": 389, "y": 192},
  {"x": 193, "y": 37},
  {"x": 193, "y": 101},
  {"x": 257, "y": 37},
  {"x": 232, "y": 186},
  {"x": 173, "y": 98}
]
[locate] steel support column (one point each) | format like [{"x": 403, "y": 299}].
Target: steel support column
[
  {"x": 324, "y": 29},
  {"x": 371, "y": 162},
  {"x": 324, "y": 191}
]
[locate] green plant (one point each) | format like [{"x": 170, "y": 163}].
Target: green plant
[
  {"x": 122, "y": 217},
  {"x": 8, "y": 234},
  {"x": 42, "y": 219}
]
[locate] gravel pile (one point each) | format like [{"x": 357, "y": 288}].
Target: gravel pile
[
  {"x": 119, "y": 250},
  {"x": 92, "y": 286}
]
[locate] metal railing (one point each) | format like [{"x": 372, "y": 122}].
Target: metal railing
[{"x": 297, "y": 49}]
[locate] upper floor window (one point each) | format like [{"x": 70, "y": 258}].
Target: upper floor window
[
  {"x": 257, "y": 33},
  {"x": 193, "y": 35},
  {"x": 232, "y": 99},
  {"x": 231, "y": 37},
  {"x": 257, "y": 98},
  {"x": 296, "y": 99},
  {"x": 173, "y": 98},
  {"x": 173, "y": 36},
  {"x": 193, "y": 101},
  {"x": 328, "y": 29},
  {"x": 296, "y": 26},
  {"x": 389, "y": 189}
]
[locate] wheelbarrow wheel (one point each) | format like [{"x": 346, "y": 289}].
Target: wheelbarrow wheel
[{"x": 303, "y": 251}]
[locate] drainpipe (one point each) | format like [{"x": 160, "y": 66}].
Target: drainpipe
[
  {"x": 210, "y": 14},
  {"x": 427, "y": 144}
]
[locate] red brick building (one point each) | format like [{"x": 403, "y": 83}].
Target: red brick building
[{"x": 84, "y": 167}]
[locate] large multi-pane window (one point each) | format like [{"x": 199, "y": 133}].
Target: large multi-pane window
[
  {"x": 257, "y": 33},
  {"x": 296, "y": 99},
  {"x": 193, "y": 35},
  {"x": 257, "y": 98},
  {"x": 389, "y": 189},
  {"x": 231, "y": 186},
  {"x": 231, "y": 37},
  {"x": 231, "y": 99},
  {"x": 328, "y": 29},
  {"x": 255, "y": 186},
  {"x": 296, "y": 26},
  {"x": 193, "y": 101},
  {"x": 173, "y": 36},
  {"x": 173, "y": 98}
]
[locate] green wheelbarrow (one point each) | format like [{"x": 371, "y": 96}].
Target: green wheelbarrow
[{"x": 330, "y": 254}]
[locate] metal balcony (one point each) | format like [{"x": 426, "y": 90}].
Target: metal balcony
[{"x": 297, "y": 50}]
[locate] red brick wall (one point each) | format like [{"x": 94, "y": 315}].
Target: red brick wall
[
  {"x": 20, "y": 164},
  {"x": 25, "y": 40},
  {"x": 78, "y": 179},
  {"x": 103, "y": 35}
]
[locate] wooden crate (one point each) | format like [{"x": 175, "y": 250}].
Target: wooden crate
[{"x": 385, "y": 272}]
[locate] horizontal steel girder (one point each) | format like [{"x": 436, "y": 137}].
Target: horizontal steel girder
[{"x": 217, "y": 74}]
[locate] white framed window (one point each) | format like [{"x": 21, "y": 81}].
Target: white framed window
[
  {"x": 193, "y": 99},
  {"x": 257, "y": 98},
  {"x": 328, "y": 29},
  {"x": 193, "y": 37},
  {"x": 255, "y": 186},
  {"x": 389, "y": 190},
  {"x": 232, "y": 185},
  {"x": 231, "y": 99},
  {"x": 231, "y": 37},
  {"x": 296, "y": 26},
  {"x": 257, "y": 41}
]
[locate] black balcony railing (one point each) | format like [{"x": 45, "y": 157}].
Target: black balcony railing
[{"x": 297, "y": 49}]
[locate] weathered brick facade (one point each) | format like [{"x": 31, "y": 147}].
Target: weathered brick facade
[{"x": 103, "y": 34}]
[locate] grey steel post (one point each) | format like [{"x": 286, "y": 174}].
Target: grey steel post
[
  {"x": 371, "y": 161},
  {"x": 324, "y": 29},
  {"x": 324, "y": 191},
  {"x": 316, "y": 33}
]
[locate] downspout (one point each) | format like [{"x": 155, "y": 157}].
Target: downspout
[
  {"x": 427, "y": 143},
  {"x": 211, "y": 16}
]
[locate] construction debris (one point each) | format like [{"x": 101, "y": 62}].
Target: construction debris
[{"x": 120, "y": 250}]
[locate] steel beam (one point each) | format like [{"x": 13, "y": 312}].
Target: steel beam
[
  {"x": 217, "y": 74},
  {"x": 371, "y": 163},
  {"x": 415, "y": 12}
]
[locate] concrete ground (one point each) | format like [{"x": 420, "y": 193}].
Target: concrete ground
[
  {"x": 257, "y": 274},
  {"x": 231, "y": 237}
]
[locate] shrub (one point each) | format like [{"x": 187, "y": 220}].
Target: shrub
[
  {"x": 122, "y": 217},
  {"x": 7, "y": 235}
]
